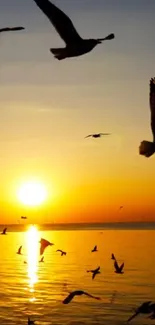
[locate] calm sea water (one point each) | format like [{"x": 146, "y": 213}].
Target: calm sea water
[{"x": 37, "y": 289}]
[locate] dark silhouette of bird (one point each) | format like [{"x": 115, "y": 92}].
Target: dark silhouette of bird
[
  {"x": 145, "y": 308},
  {"x": 41, "y": 260},
  {"x": 121, "y": 207},
  {"x": 30, "y": 322},
  {"x": 25, "y": 262},
  {"x": 147, "y": 148},
  {"x": 96, "y": 135},
  {"x": 118, "y": 269},
  {"x": 78, "y": 293},
  {"x": 62, "y": 252},
  {"x": 43, "y": 244},
  {"x": 4, "y": 231},
  {"x": 94, "y": 249},
  {"x": 10, "y": 29},
  {"x": 75, "y": 45},
  {"x": 95, "y": 272},
  {"x": 23, "y": 217},
  {"x": 152, "y": 307},
  {"x": 112, "y": 256},
  {"x": 19, "y": 250}
]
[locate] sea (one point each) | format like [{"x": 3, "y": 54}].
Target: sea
[{"x": 30, "y": 288}]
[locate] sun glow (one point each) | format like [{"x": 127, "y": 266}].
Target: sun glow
[
  {"x": 32, "y": 250},
  {"x": 32, "y": 193}
]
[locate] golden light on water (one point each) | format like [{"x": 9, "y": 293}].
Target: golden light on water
[
  {"x": 32, "y": 258},
  {"x": 32, "y": 193}
]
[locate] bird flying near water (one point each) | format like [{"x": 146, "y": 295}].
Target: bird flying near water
[
  {"x": 96, "y": 135},
  {"x": 41, "y": 260},
  {"x": 75, "y": 45},
  {"x": 145, "y": 308},
  {"x": 62, "y": 252},
  {"x": 78, "y": 293},
  {"x": 95, "y": 272},
  {"x": 23, "y": 217},
  {"x": 10, "y": 29},
  {"x": 43, "y": 244},
  {"x": 147, "y": 148},
  {"x": 19, "y": 250},
  {"x": 4, "y": 231},
  {"x": 118, "y": 269},
  {"x": 94, "y": 249}
]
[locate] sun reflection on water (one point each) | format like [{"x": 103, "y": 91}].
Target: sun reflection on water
[{"x": 32, "y": 258}]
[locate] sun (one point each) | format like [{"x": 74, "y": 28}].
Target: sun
[{"x": 32, "y": 193}]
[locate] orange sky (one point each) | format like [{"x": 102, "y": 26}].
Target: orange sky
[{"x": 48, "y": 107}]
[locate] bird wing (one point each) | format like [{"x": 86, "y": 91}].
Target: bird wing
[
  {"x": 59, "y": 250},
  {"x": 105, "y": 133},
  {"x": 90, "y": 135},
  {"x": 116, "y": 266},
  {"x": 60, "y": 21},
  {"x": 44, "y": 243},
  {"x": 152, "y": 105},
  {"x": 69, "y": 297},
  {"x": 112, "y": 256},
  {"x": 121, "y": 267},
  {"x": 133, "y": 316},
  {"x": 9, "y": 29},
  {"x": 94, "y": 297},
  {"x": 93, "y": 275}
]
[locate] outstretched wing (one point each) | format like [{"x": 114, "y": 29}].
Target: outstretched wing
[
  {"x": 88, "y": 136},
  {"x": 121, "y": 267},
  {"x": 69, "y": 297},
  {"x": 91, "y": 296},
  {"x": 9, "y": 29},
  {"x": 60, "y": 21},
  {"x": 105, "y": 133},
  {"x": 152, "y": 105},
  {"x": 116, "y": 266}
]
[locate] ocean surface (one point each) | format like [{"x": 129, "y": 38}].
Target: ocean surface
[{"x": 38, "y": 289}]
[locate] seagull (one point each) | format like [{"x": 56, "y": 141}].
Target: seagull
[
  {"x": 62, "y": 252},
  {"x": 96, "y": 135},
  {"x": 145, "y": 308},
  {"x": 41, "y": 260},
  {"x": 118, "y": 269},
  {"x": 10, "y": 29},
  {"x": 23, "y": 217},
  {"x": 147, "y": 148},
  {"x": 44, "y": 243},
  {"x": 121, "y": 207},
  {"x": 75, "y": 45},
  {"x": 19, "y": 250},
  {"x": 94, "y": 249},
  {"x": 4, "y": 231},
  {"x": 30, "y": 322},
  {"x": 77, "y": 293},
  {"x": 94, "y": 272},
  {"x": 113, "y": 256}
]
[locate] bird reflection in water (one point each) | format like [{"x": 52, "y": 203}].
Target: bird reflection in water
[{"x": 32, "y": 258}]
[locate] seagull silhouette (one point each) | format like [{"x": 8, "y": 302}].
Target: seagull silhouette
[
  {"x": 19, "y": 250},
  {"x": 43, "y": 244},
  {"x": 62, "y": 252},
  {"x": 147, "y": 148},
  {"x": 94, "y": 249},
  {"x": 4, "y": 231},
  {"x": 145, "y": 308},
  {"x": 78, "y": 293},
  {"x": 10, "y": 29},
  {"x": 95, "y": 272},
  {"x": 121, "y": 207},
  {"x": 30, "y": 322},
  {"x": 41, "y": 260},
  {"x": 75, "y": 45},
  {"x": 96, "y": 135},
  {"x": 23, "y": 217},
  {"x": 118, "y": 269}
]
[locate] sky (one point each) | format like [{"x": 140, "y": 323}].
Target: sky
[{"x": 47, "y": 107}]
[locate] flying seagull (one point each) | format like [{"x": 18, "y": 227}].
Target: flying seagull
[
  {"x": 145, "y": 308},
  {"x": 41, "y": 260},
  {"x": 43, "y": 244},
  {"x": 94, "y": 272},
  {"x": 96, "y": 135},
  {"x": 77, "y": 293},
  {"x": 4, "y": 231},
  {"x": 10, "y": 29},
  {"x": 62, "y": 252},
  {"x": 147, "y": 148},
  {"x": 121, "y": 207},
  {"x": 23, "y": 217},
  {"x": 94, "y": 249},
  {"x": 19, "y": 250},
  {"x": 75, "y": 45},
  {"x": 118, "y": 269},
  {"x": 30, "y": 322}
]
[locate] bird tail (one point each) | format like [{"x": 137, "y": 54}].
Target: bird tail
[
  {"x": 109, "y": 37},
  {"x": 59, "y": 53},
  {"x": 147, "y": 148}
]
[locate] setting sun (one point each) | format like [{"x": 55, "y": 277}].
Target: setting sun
[{"x": 32, "y": 193}]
